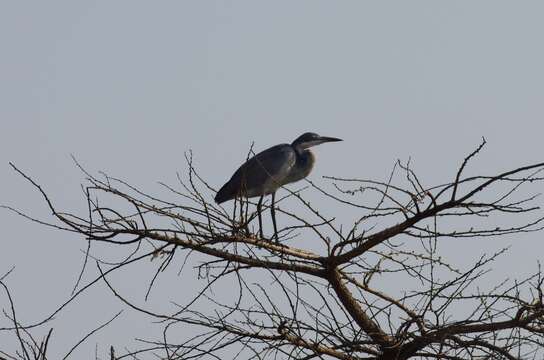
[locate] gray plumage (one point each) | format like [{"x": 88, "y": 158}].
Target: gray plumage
[{"x": 272, "y": 168}]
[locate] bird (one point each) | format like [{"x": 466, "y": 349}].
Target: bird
[{"x": 267, "y": 171}]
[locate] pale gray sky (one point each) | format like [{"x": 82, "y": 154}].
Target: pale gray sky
[{"x": 128, "y": 86}]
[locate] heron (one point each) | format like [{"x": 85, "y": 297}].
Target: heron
[{"x": 270, "y": 169}]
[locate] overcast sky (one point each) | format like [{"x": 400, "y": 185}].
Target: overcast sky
[{"x": 128, "y": 86}]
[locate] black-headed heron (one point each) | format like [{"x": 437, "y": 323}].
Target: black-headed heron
[{"x": 270, "y": 169}]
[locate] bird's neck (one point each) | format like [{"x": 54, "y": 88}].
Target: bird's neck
[
  {"x": 305, "y": 157},
  {"x": 300, "y": 151}
]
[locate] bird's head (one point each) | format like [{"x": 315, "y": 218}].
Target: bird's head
[{"x": 310, "y": 139}]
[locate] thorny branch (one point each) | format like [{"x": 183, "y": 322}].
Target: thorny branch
[{"x": 328, "y": 299}]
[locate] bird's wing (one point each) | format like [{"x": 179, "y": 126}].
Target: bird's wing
[
  {"x": 268, "y": 169},
  {"x": 272, "y": 164}
]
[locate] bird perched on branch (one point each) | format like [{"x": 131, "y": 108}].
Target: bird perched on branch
[{"x": 270, "y": 169}]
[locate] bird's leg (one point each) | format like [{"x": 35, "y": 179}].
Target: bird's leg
[
  {"x": 241, "y": 220},
  {"x": 273, "y": 212},
  {"x": 244, "y": 219},
  {"x": 259, "y": 207},
  {"x": 239, "y": 224}
]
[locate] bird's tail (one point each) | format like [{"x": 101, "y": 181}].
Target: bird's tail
[{"x": 224, "y": 194}]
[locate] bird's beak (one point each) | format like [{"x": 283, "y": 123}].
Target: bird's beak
[
  {"x": 317, "y": 141},
  {"x": 325, "y": 139}
]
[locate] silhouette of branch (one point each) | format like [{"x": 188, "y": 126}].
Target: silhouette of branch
[{"x": 330, "y": 299}]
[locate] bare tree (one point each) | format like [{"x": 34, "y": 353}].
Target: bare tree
[{"x": 335, "y": 299}]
